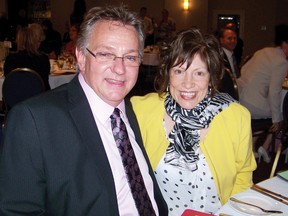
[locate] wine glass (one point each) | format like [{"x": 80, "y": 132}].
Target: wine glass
[
  {"x": 60, "y": 63},
  {"x": 71, "y": 62}
]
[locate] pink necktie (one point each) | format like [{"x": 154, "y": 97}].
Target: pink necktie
[{"x": 135, "y": 179}]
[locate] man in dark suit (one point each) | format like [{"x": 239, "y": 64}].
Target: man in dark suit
[
  {"x": 228, "y": 40},
  {"x": 59, "y": 153}
]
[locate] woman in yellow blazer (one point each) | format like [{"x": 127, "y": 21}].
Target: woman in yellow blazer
[{"x": 198, "y": 140}]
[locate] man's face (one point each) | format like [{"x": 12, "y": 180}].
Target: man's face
[
  {"x": 229, "y": 40},
  {"x": 111, "y": 80}
]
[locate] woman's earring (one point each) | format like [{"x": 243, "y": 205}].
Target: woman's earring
[{"x": 167, "y": 88}]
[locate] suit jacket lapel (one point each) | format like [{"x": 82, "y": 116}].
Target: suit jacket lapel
[
  {"x": 162, "y": 207},
  {"x": 226, "y": 62},
  {"x": 84, "y": 121}
]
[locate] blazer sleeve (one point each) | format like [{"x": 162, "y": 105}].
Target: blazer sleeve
[{"x": 22, "y": 181}]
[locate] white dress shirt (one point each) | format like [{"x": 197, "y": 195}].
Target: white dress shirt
[
  {"x": 229, "y": 54},
  {"x": 261, "y": 81},
  {"x": 102, "y": 112}
]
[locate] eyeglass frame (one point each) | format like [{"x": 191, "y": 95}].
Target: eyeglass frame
[{"x": 115, "y": 57}]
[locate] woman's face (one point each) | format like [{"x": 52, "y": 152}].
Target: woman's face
[
  {"x": 73, "y": 33},
  {"x": 189, "y": 87}
]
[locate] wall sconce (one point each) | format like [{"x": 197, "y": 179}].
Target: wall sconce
[{"x": 186, "y": 5}]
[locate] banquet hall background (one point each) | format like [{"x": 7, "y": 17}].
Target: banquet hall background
[{"x": 257, "y": 18}]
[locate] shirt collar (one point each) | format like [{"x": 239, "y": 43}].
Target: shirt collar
[{"x": 227, "y": 52}]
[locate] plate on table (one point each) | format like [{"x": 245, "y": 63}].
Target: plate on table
[{"x": 255, "y": 199}]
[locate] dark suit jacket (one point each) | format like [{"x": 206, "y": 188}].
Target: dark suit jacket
[
  {"x": 228, "y": 83},
  {"x": 53, "y": 160}
]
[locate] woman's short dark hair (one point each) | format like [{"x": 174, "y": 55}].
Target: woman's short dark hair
[{"x": 183, "y": 48}]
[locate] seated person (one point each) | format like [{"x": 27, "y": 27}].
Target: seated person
[
  {"x": 260, "y": 85},
  {"x": 198, "y": 140},
  {"x": 53, "y": 41},
  {"x": 73, "y": 35},
  {"x": 28, "y": 55}
]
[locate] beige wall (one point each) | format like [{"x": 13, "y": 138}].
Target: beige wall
[
  {"x": 197, "y": 16},
  {"x": 256, "y": 15}
]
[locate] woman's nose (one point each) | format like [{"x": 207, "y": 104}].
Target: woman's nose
[{"x": 189, "y": 81}]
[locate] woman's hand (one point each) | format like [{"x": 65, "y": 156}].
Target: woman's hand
[{"x": 276, "y": 127}]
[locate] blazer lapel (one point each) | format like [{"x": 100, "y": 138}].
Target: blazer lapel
[
  {"x": 162, "y": 207},
  {"x": 84, "y": 121},
  {"x": 226, "y": 62}
]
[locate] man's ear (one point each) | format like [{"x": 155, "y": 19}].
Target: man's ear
[{"x": 81, "y": 59}]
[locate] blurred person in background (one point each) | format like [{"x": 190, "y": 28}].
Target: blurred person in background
[
  {"x": 260, "y": 86},
  {"x": 238, "y": 51},
  {"x": 28, "y": 55},
  {"x": 148, "y": 26},
  {"x": 70, "y": 47},
  {"x": 228, "y": 41},
  {"x": 166, "y": 27},
  {"x": 53, "y": 41}
]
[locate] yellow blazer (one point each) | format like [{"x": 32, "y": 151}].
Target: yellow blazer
[{"x": 227, "y": 146}]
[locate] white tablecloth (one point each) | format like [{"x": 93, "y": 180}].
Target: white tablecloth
[
  {"x": 274, "y": 184},
  {"x": 54, "y": 81}
]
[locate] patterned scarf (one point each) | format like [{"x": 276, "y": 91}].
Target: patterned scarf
[{"x": 185, "y": 135}]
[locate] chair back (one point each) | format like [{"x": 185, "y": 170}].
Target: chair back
[
  {"x": 285, "y": 109},
  {"x": 21, "y": 84},
  {"x": 282, "y": 136}
]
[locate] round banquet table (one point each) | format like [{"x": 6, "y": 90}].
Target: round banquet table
[{"x": 275, "y": 184}]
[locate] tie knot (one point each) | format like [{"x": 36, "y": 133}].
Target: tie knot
[{"x": 115, "y": 114}]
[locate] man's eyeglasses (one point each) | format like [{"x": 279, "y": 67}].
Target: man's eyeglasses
[{"x": 106, "y": 57}]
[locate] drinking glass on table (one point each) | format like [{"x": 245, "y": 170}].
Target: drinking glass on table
[
  {"x": 71, "y": 62},
  {"x": 60, "y": 63}
]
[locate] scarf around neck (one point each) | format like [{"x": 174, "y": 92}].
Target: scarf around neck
[{"x": 185, "y": 135}]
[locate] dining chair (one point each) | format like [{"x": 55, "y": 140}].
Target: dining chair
[
  {"x": 282, "y": 136},
  {"x": 18, "y": 85},
  {"x": 260, "y": 128},
  {"x": 284, "y": 132}
]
